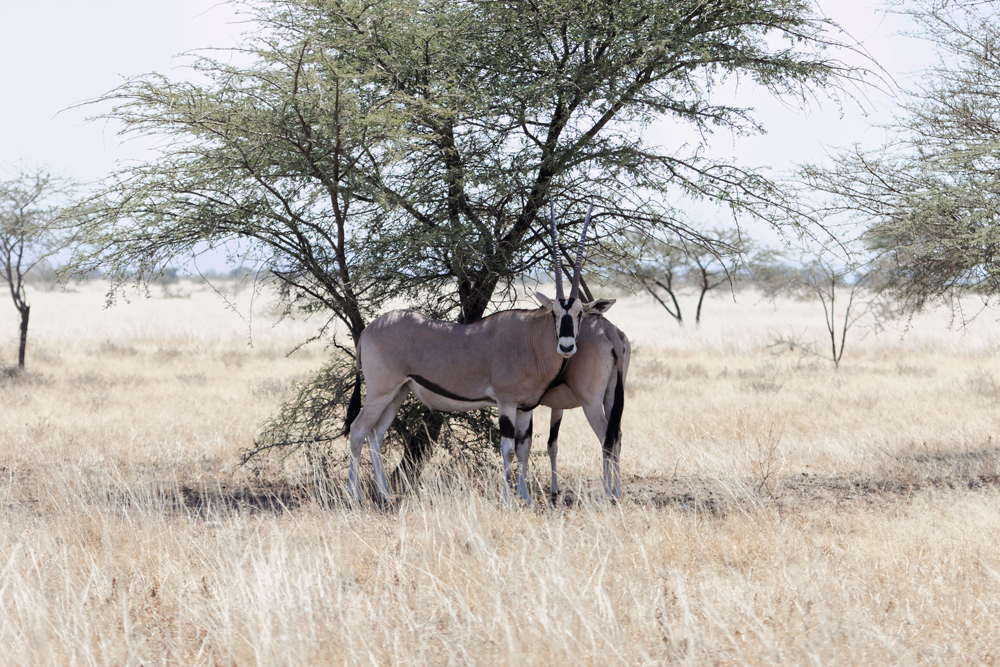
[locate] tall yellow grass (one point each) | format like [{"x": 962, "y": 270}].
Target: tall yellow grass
[{"x": 775, "y": 511}]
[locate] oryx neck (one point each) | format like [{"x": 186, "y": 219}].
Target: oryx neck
[{"x": 544, "y": 342}]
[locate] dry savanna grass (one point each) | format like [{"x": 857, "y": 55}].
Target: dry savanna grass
[{"x": 775, "y": 511}]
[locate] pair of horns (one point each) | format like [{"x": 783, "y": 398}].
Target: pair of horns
[{"x": 574, "y": 291}]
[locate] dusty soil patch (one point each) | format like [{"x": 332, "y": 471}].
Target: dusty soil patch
[{"x": 899, "y": 478}]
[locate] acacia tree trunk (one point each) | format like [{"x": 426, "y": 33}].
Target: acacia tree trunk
[
  {"x": 25, "y": 312},
  {"x": 417, "y": 450},
  {"x": 701, "y": 300}
]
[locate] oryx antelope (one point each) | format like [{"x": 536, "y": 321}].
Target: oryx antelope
[
  {"x": 511, "y": 359},
  {"x": 594, "y": 379}
]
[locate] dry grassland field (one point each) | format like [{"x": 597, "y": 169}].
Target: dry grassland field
[{"x": 774, "y": 511}]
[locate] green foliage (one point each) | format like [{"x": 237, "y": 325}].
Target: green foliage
[
  {"x": 314, "y": 419},
  {"x": 405, "y": 148},
  {"x": 931, "y": 197}
]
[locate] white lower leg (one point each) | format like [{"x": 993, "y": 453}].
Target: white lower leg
[
  {"x": 612, "y": 477},
  {"x": 353, "y": 485},
  {"x": 381, "y": 483},
  {"x": 522, "y": 472},
  {"x": 508, "y": 416},
  {"x": 352, "y": 480},
  {"x": 522, "y": 443},
  {"x": 555, "y": 477},
  {"x": 507, "y": 452}
]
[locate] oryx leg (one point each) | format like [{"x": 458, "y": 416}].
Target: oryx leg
[
  {"x": 371, "y": 424},
  {"x": 508, "y": 418},
  {"x": 375, "y": 442},
  {"x": 554, "y": 421},
  {"x": 599, "y": 423},
  {"x": 614, "y": 404},
  {"x": 522, "y": 445}
]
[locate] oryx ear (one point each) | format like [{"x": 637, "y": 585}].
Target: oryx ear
[
  {"x": 544, "y": 300},
  {"x": 598, "y": 307}
]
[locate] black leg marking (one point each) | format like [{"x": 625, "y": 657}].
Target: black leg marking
[
  {"x": 526, "y": 436},
  {"x": 506, "y": 427},
  {"x": 615, "y": 421},
  {"x": 554, "y": 432}
]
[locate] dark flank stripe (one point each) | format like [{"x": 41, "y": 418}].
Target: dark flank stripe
[
  {"x": 554, "y": 432},
  {"x": 506, "y": 427},
  {"x": 441, "y": 391}
]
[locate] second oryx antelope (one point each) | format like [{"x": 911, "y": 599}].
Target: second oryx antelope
[
  {"x": 594, "y": 379},
  {"x": 510, "y": 360}
]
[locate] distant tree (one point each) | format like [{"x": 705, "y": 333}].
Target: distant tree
[
  {"x": 663, "y": 268},
  {"x": 846, "y": 284},
  {"x": 33, "y": 228},
  {"x": 661, "y": 274},
  {"x": 930, "y": 197}
]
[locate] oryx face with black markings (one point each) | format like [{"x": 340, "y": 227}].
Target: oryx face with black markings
[{"x": 567, "y": 314}]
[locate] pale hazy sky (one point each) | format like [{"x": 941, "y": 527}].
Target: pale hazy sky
[{"x": 57, "y": 53}]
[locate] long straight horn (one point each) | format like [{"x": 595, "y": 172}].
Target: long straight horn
[
  {"x": 574, "y": 290},
  {"x": 556, "y": 251}
]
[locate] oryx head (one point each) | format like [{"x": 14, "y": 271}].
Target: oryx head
[{"x": 568, "y": 312}]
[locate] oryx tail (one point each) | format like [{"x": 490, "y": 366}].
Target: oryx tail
[
  {"x": 354, "y": 407},
  {"x": 617, "y": 407}
]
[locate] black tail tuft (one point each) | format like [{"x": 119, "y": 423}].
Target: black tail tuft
[
  {"x": 354, "y": 407},
  {"x": 615, "y": 421}
]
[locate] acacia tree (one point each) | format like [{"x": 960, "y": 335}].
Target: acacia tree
[
  {"x": 846, "y": 282},
  {"x": 663, "y": 268},
  {"x": 931, "y": 198},
  {"x": 32, "y": 229},
  {"x": 404, "y": 148}
]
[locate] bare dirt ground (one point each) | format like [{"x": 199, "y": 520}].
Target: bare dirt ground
[{"x": 775, "y": 511}]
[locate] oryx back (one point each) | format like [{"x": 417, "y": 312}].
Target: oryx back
[{"x": 458, "y": 367}]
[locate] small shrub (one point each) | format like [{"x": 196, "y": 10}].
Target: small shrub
[
  {"x": 270, "y": 387},
  {"x": 983, "y": 383}
]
